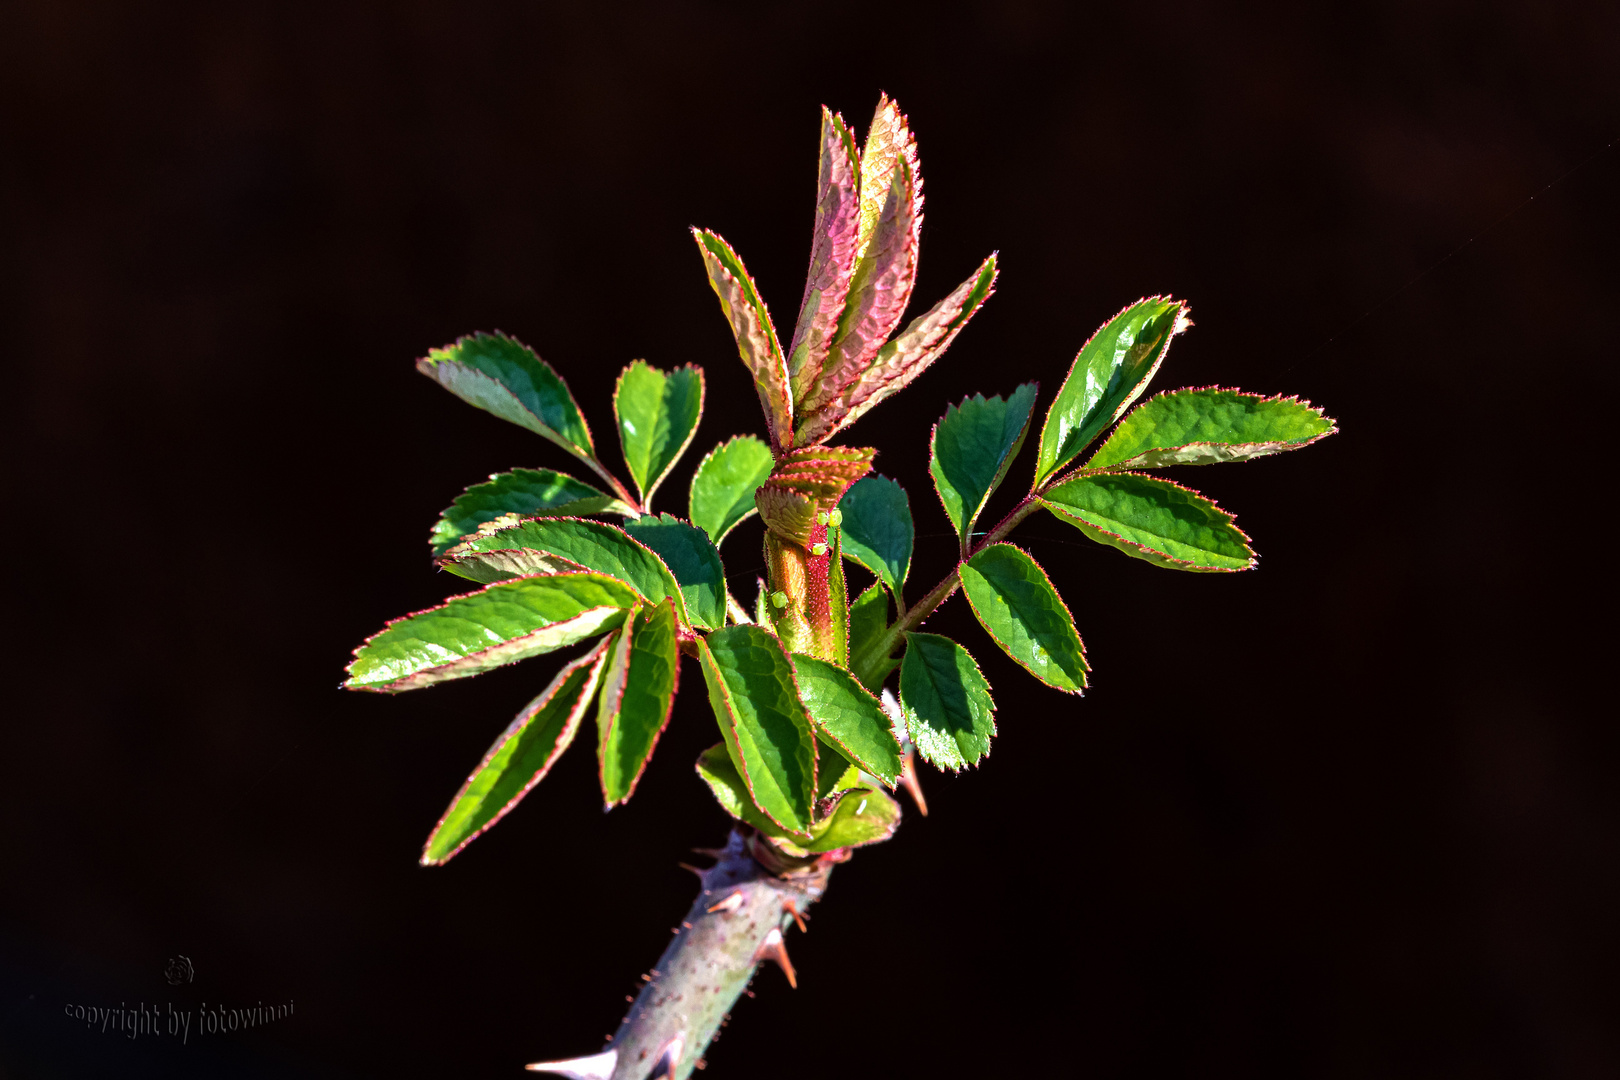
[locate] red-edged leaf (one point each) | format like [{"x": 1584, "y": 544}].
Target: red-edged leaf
[
  {"x": 832, "y": 254},
  {"x": 756, "y": 336},
  {"x": 637, "y": 697}
]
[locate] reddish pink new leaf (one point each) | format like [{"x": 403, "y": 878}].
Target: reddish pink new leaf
[{"x": 832, "y": 255}]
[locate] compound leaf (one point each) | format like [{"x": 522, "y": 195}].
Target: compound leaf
[
  {"x": 519, "y": 759},
  {"x": 767, "y": 733},
  {"x": 1209, "y": 425},
  {"x": 1111, "y": 371},
  {"x": 657, "y": 415},
  {"x": 501, "y": 624},
  {"x": 506, "y": 497},
  {"x": 949, "y": 713},
  {"x": 972, "y": 447},
  {"x": 636, "y": 699},
  {"x": 848, "y": 717},
  {"x": 504, "y": 376},
  {"x": 692, "y": 559},
  {"x": 723, "y": 486},
  {"x": 1018, "y": 607},
  {"x": 756, "y": 336},
  {"x": 1152, "y": 519},
  {"x": 877, "y": 529}
]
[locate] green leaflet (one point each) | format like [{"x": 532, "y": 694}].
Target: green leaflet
[
  {"x": 520, "y": 493},
  {"x": 848, "y": 717},
  {"x": 532, "y": 546},
  {"x": 501, "y": 624},
  {"x": 972, "y": 447},
  {"x": 1152, "y": 519},
  {"x": 950, "y": 716},
  {"x": 1202, "y": 427},
  {"x": 520, "y": 758},
  {"x": 868, "y": 619},
  {"x": 838, "y": 596},
  {"x": 505, "y": 377},
  {"x": 692, "y": 559},
  {"x": 1018, "y": 607},
  {"x": 767, "y": 733},
  {"x": 828, "y": 778},
  {"x": 755, "y": 334},
  {"x": 862, "y": 816},
  {"x": 1109, "y": 373},
  {"x": 637, "y": 696},
  {"x": 877, "y": 529},
  {"x": 723, "y": 486},
  {"x": 657, "y": 416}
]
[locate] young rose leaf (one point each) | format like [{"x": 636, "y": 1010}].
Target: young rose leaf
[
  {"x": 862, "y": 816},
  {"x": 657, "y": 416},
  {"x": 636, "y": 699},
  {"x": 519, "y": 759},
  {"x": 1152, "y": 519},
  {"x": 832, "y": 255},
  {"x": 756, "y": 336},
  {"x": 837, "y": 596},
  {"x": 808, "y": 482},
  {"x": 1209, "y": 425},
  {"x": 889, "y": 145},
  {"x": 714, "y": 765},
  {"x": 950, "y": 716},
  {"x": 533, "y": 545},
  {"x": 828, "y": 779},
  {"x": 762, "y": 603},
  {"x": 692, "y": 559},
  {"x": 1018, "y": 607},
  {"x": 848, "y": 717},
  {"x": 505, "y": 377},
  {"x": 868, "y": 619},
  {"x": 972, "y": 447},
  {"x": 723, "y": 486},
  {"x": 501, "y": 624},
  {"x": 877, "y": 529},
  {"x": 767, "y": 732},
  {"x": 508, "y": 496},
  {"x": 1111, "y": 371}
]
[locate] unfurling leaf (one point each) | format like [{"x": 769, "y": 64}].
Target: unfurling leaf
[
  {"x": 532, "y": 546},
  {"x": 767, "y": 733},
  {"x": 509, "y": 496},
  {"x": 870, "y": 816},
  {"x": 806, "y": 483},
  {"x": 848, "y": 717},
  {"x": 837, "y": 597},
  {"x": 877, "y": 529},
  {"x": 724, "y": 484},
  {"x": 503, "y": 376},
  {"x": 756, "y": 336},
  {"x": 950, "y": 716},
  {"x": 972, "y": 447},
  {"x": 828, "y": 779},
  {"x": 1152, "y": 519},
  {"x": 1202, "y": 427},
  {"x": 657, "y": 416},
  {"x": 637, "y": 696},
  {"x": 832, "y": 255},
  {"x": 692, "y": 559},
  {"x": 519, "y": 759},
  {"x": 501, "y": 624},
  {"x": 1111, "y": 371},
  {"x": 1018, "y": 607}
]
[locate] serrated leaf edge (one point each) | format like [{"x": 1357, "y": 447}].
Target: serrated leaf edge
[
  {"x": 1161, "y": 557},
  {"x": 1085, "y": 663}
]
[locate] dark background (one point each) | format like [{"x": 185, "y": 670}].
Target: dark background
[{"x": 1350, "y": 815}]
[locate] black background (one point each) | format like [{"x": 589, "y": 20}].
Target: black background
[{"x": 1352, "y": 814}]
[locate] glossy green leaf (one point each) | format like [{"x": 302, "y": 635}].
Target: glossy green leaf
[
  {"x": 1152, "y": 519},
  {"x": 692, "y": 559},
  {"x": 877, "y": 529},
  {"x": 505, "y": 377},
  {"x": 501, "y": 624},
  {"x": 755, "y": 334},
  {"x": 1202, "y": 427},
  {"x": 949, "y": 713},
  {"x": 972, "y": 447},
  {"x": 828, "y": 777},
  {"x": 768, "y": 734},
  {"x": 1018, "y": 607},
  {"x": 868, "y": 619},
  {"x": 506, "y": 497},
  {"x": 533, "y": 545},
  {"x": 657, "y": 414},
  {"x": 848, "y": 717},
  {"x": 863, "y": 816},
  {"x": 714, "y": 765},
  {"x": 637, "y": 696},
  {"x": 724, "y": 484},
  {"x": 520, "y": 758},
  {"x": 1111, "y": 371}
]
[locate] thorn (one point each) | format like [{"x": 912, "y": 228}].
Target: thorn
[
  {"x": 711, "y": 852},
  {"x": 730, "y": 903},
  {"x": 695, "y": 870},
  {"x": 908, "y": 778},
  {"x": 669, "y": 1056},
  {"x": 793, "y": 909},
  {"x": 773, "y": 949},
  {"x": 685, "y": 925},
  {"x": 595, "y": 1067}
]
